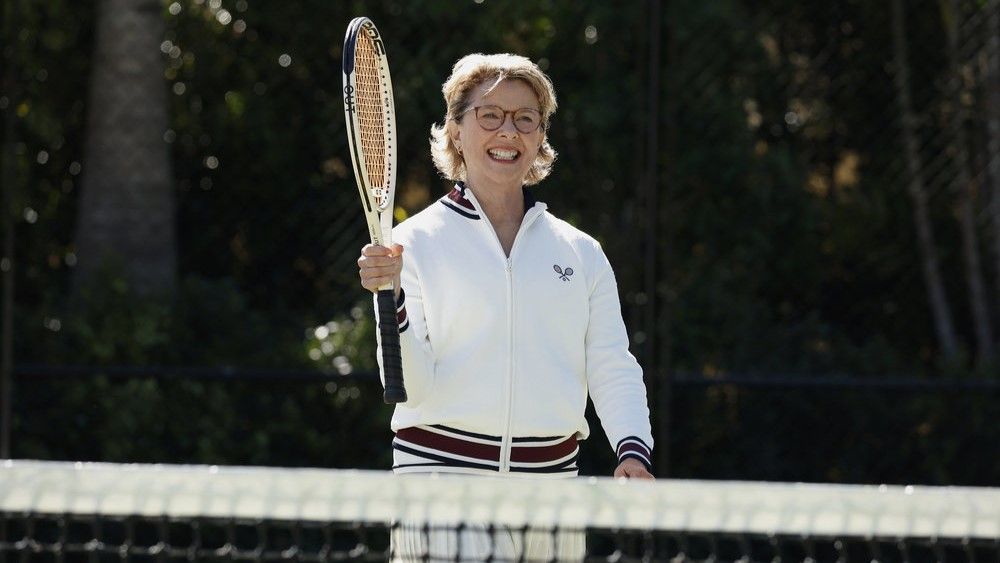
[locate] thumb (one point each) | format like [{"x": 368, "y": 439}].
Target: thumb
[{"x": 397, "y": 250}]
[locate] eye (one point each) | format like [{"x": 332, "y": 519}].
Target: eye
[
  {"x": 489, "y": 113},
  {"x": 527, "y": 118}
]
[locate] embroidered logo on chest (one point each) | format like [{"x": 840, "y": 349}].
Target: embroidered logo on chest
[{"x": 563, "y": 274}]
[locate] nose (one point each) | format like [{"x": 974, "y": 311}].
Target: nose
[{"x": 507, "y": 126}]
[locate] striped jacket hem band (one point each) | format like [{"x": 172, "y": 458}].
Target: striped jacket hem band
[{"x": 439, "y": 445}]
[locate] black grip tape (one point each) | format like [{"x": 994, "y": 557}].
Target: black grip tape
[{"x": 392, "y": 364}]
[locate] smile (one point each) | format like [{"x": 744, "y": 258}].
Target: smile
[{"x": 503, "y": 154}]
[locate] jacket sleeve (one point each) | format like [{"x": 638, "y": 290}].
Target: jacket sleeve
[
  {"x": 614, "y": 377},
  {"x": 415, "y": 346}
]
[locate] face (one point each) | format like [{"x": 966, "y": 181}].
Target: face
[{"x": 505, "y": 155}]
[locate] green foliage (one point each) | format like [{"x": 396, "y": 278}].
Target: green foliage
[
  {"x": 345, "y": 344},
  {"x": 767, "y": 258},
  {"x": 226, "y": 421},
  {"x": 208, "y": 323},
  {"x": 844, "y": 435},
  {"x": 133, "y": 417}
]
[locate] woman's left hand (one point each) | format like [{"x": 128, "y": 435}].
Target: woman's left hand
[{"x": 632, "y": 468}]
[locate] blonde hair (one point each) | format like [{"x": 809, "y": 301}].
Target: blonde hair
[{"x": 469, "y": 72}]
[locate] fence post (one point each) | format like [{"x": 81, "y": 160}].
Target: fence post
[
  {"x": 7, "y": 180},
  {"x": 652, "y": 238}
]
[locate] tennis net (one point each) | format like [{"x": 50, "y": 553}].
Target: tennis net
[{"x": 57, "y": 511}]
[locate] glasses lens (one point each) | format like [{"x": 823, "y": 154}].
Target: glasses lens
[
  {"x": 490, "y": 117},
  {"x": 527, "y": 120}
]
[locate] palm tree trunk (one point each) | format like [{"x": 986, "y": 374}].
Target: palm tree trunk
[
  {"x": 963, "y": 187},
  {"x": 938, "y": 299},
  {"x": 126, "y": 213}
]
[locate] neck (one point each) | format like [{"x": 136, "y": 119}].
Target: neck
[{"x": 502, "y": 204}]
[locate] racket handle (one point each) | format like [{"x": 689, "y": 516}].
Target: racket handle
[{"x": 392, "y": 364}]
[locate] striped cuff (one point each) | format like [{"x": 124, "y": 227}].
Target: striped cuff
[
  {"x": 401, "y": 320},
  {"x": 633, "y": 447}
]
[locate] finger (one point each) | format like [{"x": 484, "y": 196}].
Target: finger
[
  {"x": 378, "y": 261},
  {"x": 644, "y": 475},
  {"x": 638, "y": 473},
  {"x": 379, "y": 272},
  {"x": 375, "y": 250},
  {"x": 372, "y": 284},
  {"x": 632, "y": 469}
]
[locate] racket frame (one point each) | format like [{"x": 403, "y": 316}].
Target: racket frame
[{"x": 378, "y": 210}]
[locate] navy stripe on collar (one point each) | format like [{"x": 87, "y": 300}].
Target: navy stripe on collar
[{"x": 457, "y": 202}]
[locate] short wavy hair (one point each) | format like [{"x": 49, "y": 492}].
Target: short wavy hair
[{"x": 469, "y": 72}]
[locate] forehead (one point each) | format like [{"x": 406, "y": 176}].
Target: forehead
[{"x": 512, "y": 93}]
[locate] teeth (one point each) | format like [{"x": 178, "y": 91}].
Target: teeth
[{"x": 501, "y": 154}]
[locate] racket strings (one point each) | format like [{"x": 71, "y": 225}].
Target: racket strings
[{"x": 370, "y": 100}]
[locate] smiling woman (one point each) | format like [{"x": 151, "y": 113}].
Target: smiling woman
[
  {"x": 486, "y": 72},
  {"x": 497, "y": 152},
  {"x": 509, "y": 317}
]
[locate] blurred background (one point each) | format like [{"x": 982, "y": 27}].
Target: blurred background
[{"x": 801, "y": 201}]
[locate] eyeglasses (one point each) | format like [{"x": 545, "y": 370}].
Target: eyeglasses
[{"x": 491, "y": 118}]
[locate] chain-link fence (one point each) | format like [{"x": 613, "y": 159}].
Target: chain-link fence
[{"x": 782, "y": 188}]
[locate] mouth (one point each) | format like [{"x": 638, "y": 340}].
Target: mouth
[{"x": 503, "y": 155}]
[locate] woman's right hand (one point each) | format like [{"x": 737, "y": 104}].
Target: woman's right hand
[{"x": 379, "y": 265}]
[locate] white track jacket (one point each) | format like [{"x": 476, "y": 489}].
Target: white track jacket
[{"x": 499, "y": 353}]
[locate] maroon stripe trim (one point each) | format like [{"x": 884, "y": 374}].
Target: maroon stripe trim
[
  {"x": 527, "y": 454},
  {"x": 486, "y": 452},
  {"x": 401, "y": 310},
  {"x": 458, "y": 197},
  {"x": 633, "y": 447},
  {"x": 448, "y": 444}
]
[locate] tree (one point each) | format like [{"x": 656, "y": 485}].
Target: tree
[
  {"x": 937, "y": 297},
  {"x": 126, "y": 212},
  {"x": 992, "y": 103},
  {"x": 962, "y": 186}
]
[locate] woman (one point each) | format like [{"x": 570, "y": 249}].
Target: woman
[{"x": 509, "y": 316}]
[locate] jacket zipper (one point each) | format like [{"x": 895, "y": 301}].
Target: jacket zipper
[
  {"x": 505, "y": 437},
  {"x": 529, "y": 217}
]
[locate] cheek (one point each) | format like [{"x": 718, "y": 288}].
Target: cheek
[{"x": 538, "y": 146}]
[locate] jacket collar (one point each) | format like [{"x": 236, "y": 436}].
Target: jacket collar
[{"x": 462, "y": 201}]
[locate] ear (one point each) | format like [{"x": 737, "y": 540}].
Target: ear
[{"x": 456, "y": 136}]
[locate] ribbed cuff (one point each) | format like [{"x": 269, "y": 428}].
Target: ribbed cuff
[{"x": 633, "y": 447}]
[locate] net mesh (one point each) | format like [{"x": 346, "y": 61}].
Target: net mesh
[
  {"x": 371, "y": 97},
  {"x": 95, "y": 512}
]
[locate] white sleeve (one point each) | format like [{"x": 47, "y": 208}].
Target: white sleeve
[
  {"x": 614, "y": 377},
  {"x": 415, "y": 347}
]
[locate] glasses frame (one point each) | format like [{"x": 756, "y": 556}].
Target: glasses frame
[{"x": 475, "y": 110}]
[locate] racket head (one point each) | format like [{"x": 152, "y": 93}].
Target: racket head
[{"x": 370, "y": 115}]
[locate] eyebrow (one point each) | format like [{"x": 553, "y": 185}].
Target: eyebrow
[{"x": 505, "y": 109}]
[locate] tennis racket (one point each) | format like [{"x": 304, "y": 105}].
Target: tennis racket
[{"x": 371, "y": 136}]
